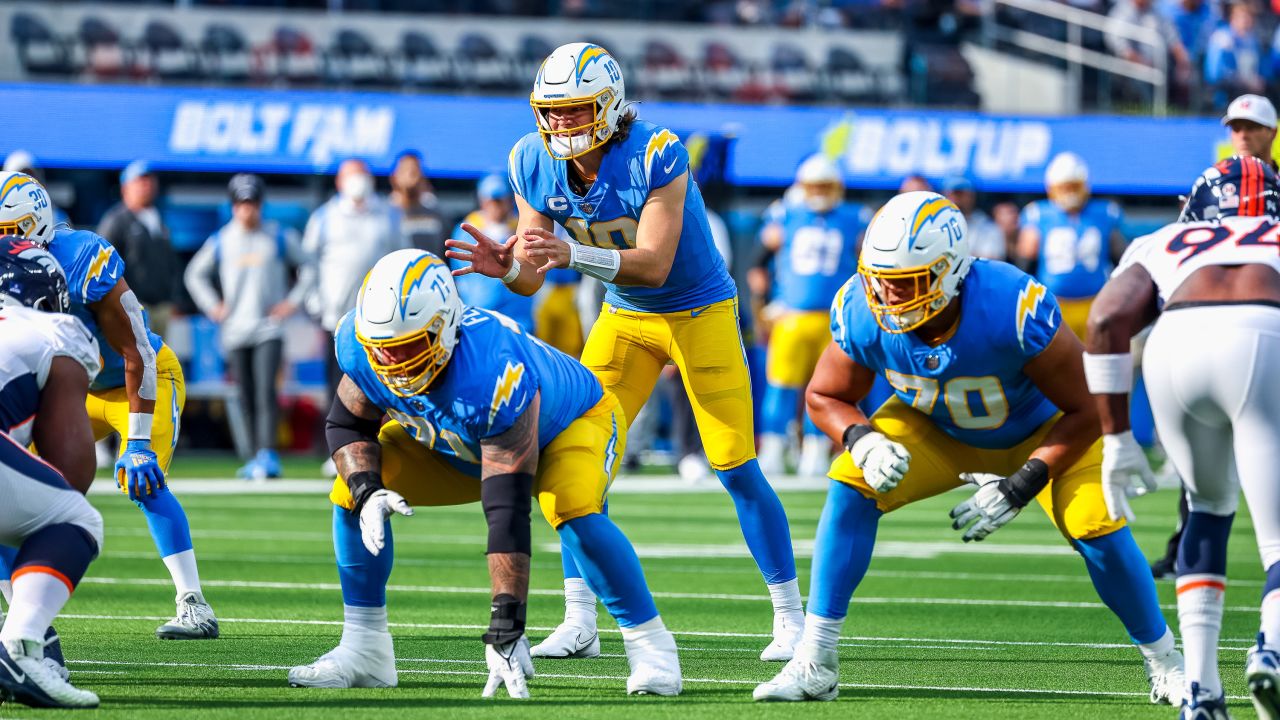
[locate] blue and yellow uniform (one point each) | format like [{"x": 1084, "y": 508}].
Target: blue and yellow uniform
[
  {"x": 489, "y": 293},
  {"x": 555, "y": 312},
  {"x": 93, "y": 268},
  {"x": 431, "y": 444},
  {"x": 1074, "y": 259},
  {"x": 965, "y": 405}
]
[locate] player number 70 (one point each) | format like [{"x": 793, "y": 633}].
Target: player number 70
[{"x": 956, "y": 395}]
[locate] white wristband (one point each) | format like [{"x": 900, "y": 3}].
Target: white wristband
[
  {"x": 597, "y": 262},
  {"x": 513, "y": 273},
  {"x": 139, "y": 426},
  {"x": 1109, "y": 374}
]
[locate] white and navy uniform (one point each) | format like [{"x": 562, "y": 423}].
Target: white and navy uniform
[
  {"x": 33, "y": 494},
  {"x": 1209, "y": 370}
]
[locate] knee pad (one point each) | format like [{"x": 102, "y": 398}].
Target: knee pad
[
  {"x": 1214, "y": 506},
  {"x": 90, "y": 520}
]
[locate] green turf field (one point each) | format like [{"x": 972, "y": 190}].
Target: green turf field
[{"x": 1009, "y": 628}]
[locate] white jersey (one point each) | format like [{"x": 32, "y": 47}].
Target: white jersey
[
  {"x": 29, "y": 341},
  {"x": 1172, "y": 253}
]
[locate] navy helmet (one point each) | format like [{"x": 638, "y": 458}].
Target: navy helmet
[
  {"x": 30, "y": 276},
  {"x": 1240, "y": 186}
]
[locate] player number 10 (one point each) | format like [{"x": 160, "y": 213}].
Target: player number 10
[{"x": 956, "y": 395}]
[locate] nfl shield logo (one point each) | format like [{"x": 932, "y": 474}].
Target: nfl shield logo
[
  {"x": 931, "y": 362},
  {"x": 588, "y": 208}
]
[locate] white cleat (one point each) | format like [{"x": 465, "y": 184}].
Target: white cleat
[
  {"x": 815, "y": 457},
  {"x": 786, "y": 635},
  {"x": 26, "y": 678},
  {"x": 371, "y": 666},
  {"x": 655, "y": 665},
  {"x": 1165, "y": 675},
  {"x": 570, "y": 640},
  {"x": 772, "y": 454},
  {"x": 813, "y": 674},
  {"x": 194, "y": 621},
  {"x": 1262, "y": 673}
]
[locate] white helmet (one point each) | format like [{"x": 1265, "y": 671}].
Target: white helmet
[
  {"x": 919, "y": 237},
  {"x": 1067, "y": 181},
  {"x": 821, "y": 182},
  {"x": 577, "y": 74},
  {"x": 407, "y": 317},
  {"x": 25, "y": 210}
]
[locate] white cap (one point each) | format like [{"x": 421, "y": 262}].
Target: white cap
[
  {"x": 1251, "y": 107},
  {"x": 19, "y": 161}
]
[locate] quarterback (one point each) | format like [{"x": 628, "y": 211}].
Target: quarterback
[
  {"x": 622, "y": 189},
  {"x": 989, "y": 391},
  {"x": 138, "y": 394},
  {"x": 480, "y": 411}
]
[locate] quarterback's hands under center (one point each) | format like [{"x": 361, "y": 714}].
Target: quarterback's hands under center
[
  {"x": 509, "y": 664},
  {"x": 545, "y": 249},
  {"x": 487, "y": 257}
]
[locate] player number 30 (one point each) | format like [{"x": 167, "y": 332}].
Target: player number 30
[{"x": 958, "y": 394}]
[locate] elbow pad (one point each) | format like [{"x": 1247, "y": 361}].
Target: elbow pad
[
  {"x": 507, "y": 502},
  {"x": 142, "y": 338},
  {"x": 343, "y": 427}
]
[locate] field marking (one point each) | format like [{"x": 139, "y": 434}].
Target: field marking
[
  {"x": 549, "y": 592},
  {"x": 624, "y": 485},
  {"x": 622, "y": 678}
]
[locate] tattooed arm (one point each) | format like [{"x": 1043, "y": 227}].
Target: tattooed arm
[
  {"x": 508, "y": 464},
  {"x": 352, "y": 434}
]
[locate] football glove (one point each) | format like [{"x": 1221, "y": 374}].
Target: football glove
[
  {"x": 989, "y": 506},
  {"x": 509, "y": 664},
  {"x": 883, "y": 462},
  {"x": 373, "y": 517},
  {"x": 1125, "y": 474},
  {"x": 138, "y": 471}
]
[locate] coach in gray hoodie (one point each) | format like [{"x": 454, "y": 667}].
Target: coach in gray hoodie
[{"x": 252, "y": 261}]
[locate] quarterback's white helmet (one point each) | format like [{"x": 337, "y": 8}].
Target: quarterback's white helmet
[
  {"x": 821, "y": 182},
  {"x": 407, "y": 317},
  {"x": 917, "y": 241},
  {"x": 25, "y": 209},
  {"x": 1067, "y": 181},
  {"x": 578, "y": 74}
]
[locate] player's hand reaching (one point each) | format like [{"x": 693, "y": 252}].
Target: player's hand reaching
[
  {"x": 883, "y": 462},
  {"x": 509, "y": 664},
  {"x": 1125, "y": 473},
  {"x": 546, "y": 250},
  {"x": 486, "y": 256},
  {"x": 989, "y": 506},
  {"x": 138, "y": 470},
  {"x": 373, "y": 517}
]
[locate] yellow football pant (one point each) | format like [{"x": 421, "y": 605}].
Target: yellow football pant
[
  {"x": 109, "y": 409},
  {"x": 1075, "y": 315},
  {"x": 1072, "y": 500},
  {"x": 556, "y": 320},
  {"x": 574, "y": 470},
  {"x": 627, "y": 350},
  {"x": 797, "y": 341}
]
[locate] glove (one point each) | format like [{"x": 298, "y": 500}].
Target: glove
[
  {"x": 884, "y": 462},
  {"x": 509, "y": 664},
  {"x": 989, "y": 506},
  {"x": 373, "y": 518},
  {"x": 138, "y": 471},
  {"x": 1125, "y": 474}
]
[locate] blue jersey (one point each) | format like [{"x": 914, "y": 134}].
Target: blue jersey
[
  {"x": 492, "y": 377},
  {"x": 93, "y": 267},
  {"x": 819, "y": 252},
  {"x": 489, "y": 293},
  {"x": 607, "y": 216},
  {"x": 1075, "y": 249},
  {"x": 972, "y": 385}
]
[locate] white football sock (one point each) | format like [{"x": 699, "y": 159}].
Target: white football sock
[
  {"x": 1200, "y": 621},
  {"x": 1159, "y": 648},
  {"x": 1271, "y": 619},
  {"x": 651, "y": 635},
  {"x": 38, "y": 597},
  {"x": 821, "y": 632},
  {"x": 363, "y": 619},
  {"x": 786, "y": 598},
  {"x": 182, "y": 568},
  {"x": 579, "y": 603}
]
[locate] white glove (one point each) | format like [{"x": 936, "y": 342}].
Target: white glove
[
  {"x": 374, "y": 514},
  {"x": 988, "y": 506},
  {"x": 883, "y": 462},
  {"x": 509, "y": 664},
  {"x": 1125, "y": 474}
]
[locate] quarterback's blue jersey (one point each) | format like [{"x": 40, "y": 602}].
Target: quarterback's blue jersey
[
  {"x": 1075, "y": 250},
  {"x": 93, "y": 267},
  {"x": 972, "y": 385},
  {"x": 819, "y": 252},
  {"x": 492, "y": 377},
  {"x": 489, "y": 293},
  {"x": 649, "y": 158}
]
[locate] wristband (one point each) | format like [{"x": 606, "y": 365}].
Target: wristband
[
  {"x": 1109, "y": 374},
  {"x": 597, "y": 262},
  {"x": 140, "y": 426},
  {"x": 513, "y": 273},
  {"x": 854, "y": 433},
  {"x": 362, "y": 485},
  {"x": 1022, "y": 487},
  {"x": 506, "y": 620}
]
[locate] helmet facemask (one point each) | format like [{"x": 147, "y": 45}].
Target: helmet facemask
[
  {"x": 572, "y": 142},
  {"x": 404, "y": 372},
  {"x": 928, "y": 299},
  {"x": 1071, "y": 196},
  {"x": 821, "y": 197},
  {"x": 23, "y": 227}
]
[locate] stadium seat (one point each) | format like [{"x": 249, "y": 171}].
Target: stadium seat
[
  {"x": 941, "y": 76},
  {"x": 225, "y": 53},
  {"x": 792, "y": 75},
  {"x": 849, "y": 80},
  {"x": 530, "y": 52},
  {"x": 723, "y": 72},
  {"x": 481, "y": 65},
  {"x": 39, "y": 50},
  {"x": 105, "y": 55},
  {"x": 666, "y": 73},
  {"x": 295, "y": 58},
  {"x": 353, "y": 59},
  {"x": 421, "y": 64},
  {"x": 167, "y": 55}
]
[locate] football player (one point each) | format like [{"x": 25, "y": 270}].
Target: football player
[
  {"x": 989, "y": 391},
  {"x": 1070, "y": 242},
  {"x": 622, "y": 189},
  {"x": 48, "y": 362},
  {"x": 1211, "y": 283},
  {"x": 139, "y": 393},
  {"x": 480, "y": 411},
  {"x": 813, "y": 248}
]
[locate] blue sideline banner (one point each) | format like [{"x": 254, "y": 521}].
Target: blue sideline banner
[{"x": 223, "y": 129}]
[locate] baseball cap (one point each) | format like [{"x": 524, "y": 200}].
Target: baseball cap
[
  {"x": 956, "y": 183},
  {"x": 492, "y": 187},
  {"x": 245, "y": 187},
  {"x": 1251, "y": 107},
  {"x": 134, "y": 170}
]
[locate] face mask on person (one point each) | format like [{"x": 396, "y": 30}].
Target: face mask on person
[{"x": 356, "y": 186}]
